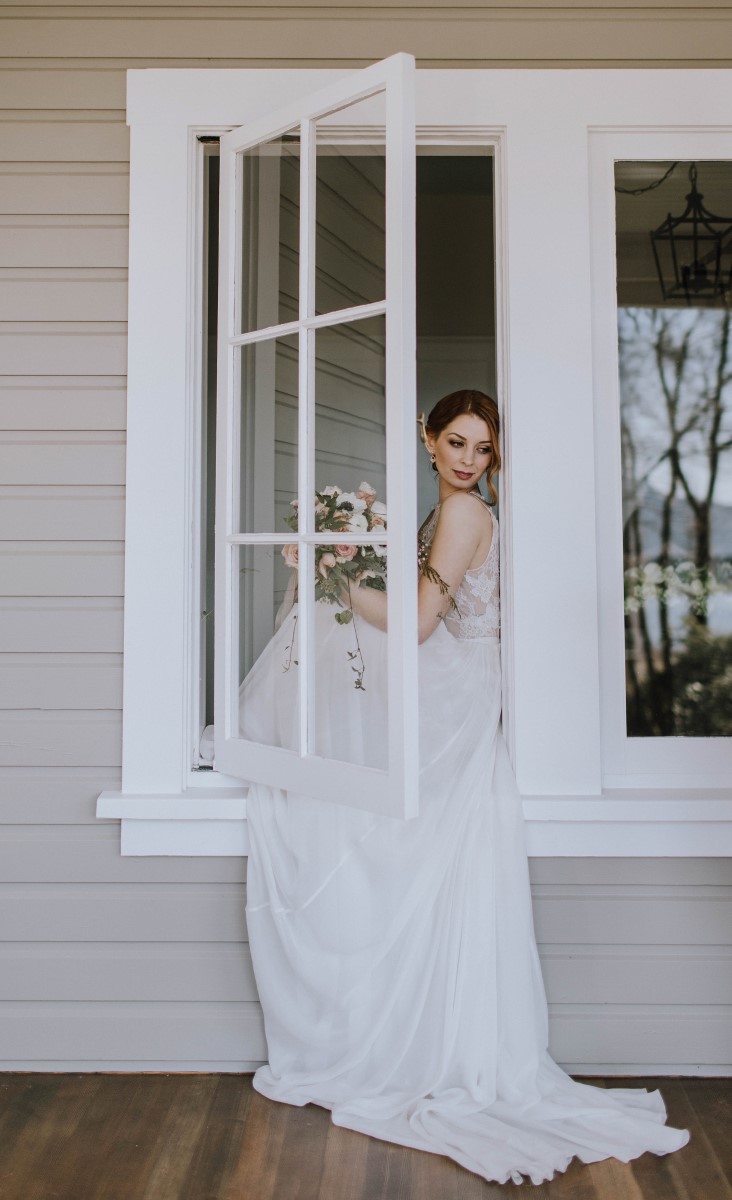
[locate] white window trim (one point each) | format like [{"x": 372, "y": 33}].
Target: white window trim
[
  {"x": 555, "y": 709},
  {"x": 632, "y": 762}
]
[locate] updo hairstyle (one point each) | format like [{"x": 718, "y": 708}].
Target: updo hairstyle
[{"x": 479, "y": 405}]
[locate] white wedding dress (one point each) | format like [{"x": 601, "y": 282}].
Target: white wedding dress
[{"x": 395, "y": 960}]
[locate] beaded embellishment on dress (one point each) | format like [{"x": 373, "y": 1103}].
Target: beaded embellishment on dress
[{"x": 477, "y": 600}]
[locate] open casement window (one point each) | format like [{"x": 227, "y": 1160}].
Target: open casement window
[
  {"x": 307, "y": 348},
  {"x": 310, "y": 349}
]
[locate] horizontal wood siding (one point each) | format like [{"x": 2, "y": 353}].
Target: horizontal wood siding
[{"x": 124, "y": 964}]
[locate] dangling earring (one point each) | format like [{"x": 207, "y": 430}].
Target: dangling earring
[{"x": 432, "y": 459}]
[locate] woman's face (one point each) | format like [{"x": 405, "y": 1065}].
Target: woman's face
[{"x": 462, "y": 450}]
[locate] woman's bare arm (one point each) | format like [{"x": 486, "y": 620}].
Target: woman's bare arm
[{"x": 460, "y": 528}]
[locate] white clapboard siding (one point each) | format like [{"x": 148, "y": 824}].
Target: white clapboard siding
[
  {"x": 632, "y": 874},
  {"x": 82, "y": 402},
  {"x": 653, "y": 916},
  {"x": 142, "y": 964},
  {"x": 583, "y": 1035},
  {"x": 70, "y": 240},
  {"x": 63, "y": 348},
  {"x": 52, "y": 569},
  {"x": 62, "y": 568},
  {"x": 626, "y": 974},
  {"x": 26, "y": 90},
  {"x": 89, "y": 854},
  {"x": 91, "y": 513},
  {"x": 48, "y": 137},
  {"x": 53, "y": 795},
  {"x": 84, "y": 1032},
  {"x": 31, "y": 738},
  {"x": 63, "y": 294},
  {"x": 64, "y": 189},
  {"x": 63, "y": 681},
  {"x": 68, "y": 624},
  {"x": 117, "y": 912},
  {"x": 61, "y": 457},
  {"x": 194, "y": 972},
  {"x": 325, "y": 35}
]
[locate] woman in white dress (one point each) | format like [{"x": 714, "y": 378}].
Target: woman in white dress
[{"x": 396, "y": 960}]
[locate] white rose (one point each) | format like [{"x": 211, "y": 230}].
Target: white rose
[
  {"x": 357, "y": 523},
  {"x": 378, "y": 508},
  {"x": 332, "y": 491}
]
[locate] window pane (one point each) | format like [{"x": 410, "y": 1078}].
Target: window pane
[
  {"x": 350, "y": 675},
  {"x": 350, "y": 406},
  {"x": 270, "y": 206},
  {"x": 676, "y": 418},
  {"x": 268, "y": 447},
  {"x": 456, "y": 336},
  {"x": 268, "y": 645},
  {"x": 350, "y": 238}
]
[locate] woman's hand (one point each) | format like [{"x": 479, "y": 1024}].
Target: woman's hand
[{"x": 367, "y": 602}]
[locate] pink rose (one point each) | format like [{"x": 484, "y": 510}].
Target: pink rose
[
  {"x": 290, "y": 554},
  {"x": 346, "y": 553},
  {"x": 364, "y": 491},
  {"x": 326, "y": 562}
]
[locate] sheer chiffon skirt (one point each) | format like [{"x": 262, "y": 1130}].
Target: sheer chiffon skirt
[{"x": 396, "y": 961}]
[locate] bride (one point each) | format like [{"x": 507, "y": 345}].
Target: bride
[{"x": 395, "y": 960}]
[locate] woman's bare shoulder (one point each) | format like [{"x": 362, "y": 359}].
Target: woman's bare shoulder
[{"x": 465, "y": 508}]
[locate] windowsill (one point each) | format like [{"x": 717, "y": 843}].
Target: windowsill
[{"x": 629, "y": 823}]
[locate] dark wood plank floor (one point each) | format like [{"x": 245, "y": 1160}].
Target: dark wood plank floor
[{"x": 211, "y": 1137}]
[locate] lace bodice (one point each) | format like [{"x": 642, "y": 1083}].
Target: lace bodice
[{"x": 477, "y": 598}]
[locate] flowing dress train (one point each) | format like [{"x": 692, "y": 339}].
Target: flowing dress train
[{"x": 396, "y": 961}]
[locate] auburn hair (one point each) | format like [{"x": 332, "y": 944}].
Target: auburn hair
[{"x": 480, "y": 405}]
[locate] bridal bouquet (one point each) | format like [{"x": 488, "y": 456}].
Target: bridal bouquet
[{"x": 338, "y": 566}]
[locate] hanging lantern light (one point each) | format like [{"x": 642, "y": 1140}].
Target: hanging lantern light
[{"x": 689, "y": 251}]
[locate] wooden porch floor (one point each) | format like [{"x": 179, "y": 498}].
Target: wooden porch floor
[{"x": 211, "y": 1137}]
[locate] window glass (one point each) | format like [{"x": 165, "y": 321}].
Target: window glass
[
  {"x": 270, "y": 207},
  {"x": 455, "y": 348},
  {"x": 350, "y": 206},
  {"x": 674, "y": 255},
  {"x": 267, "y": 595},
  {"x": 350, "y": 405},
  {"x": 267, "y": 387}
]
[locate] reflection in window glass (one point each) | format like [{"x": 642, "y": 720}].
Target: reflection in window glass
[
  {"x": 267, "y": 381},
  {"x": 350, "y": 206},
  {"x": 675, "y": 357},
  {"x": 350, "y": 405},
  {"x": 268, "y": 645},
  {"x": 270, "y": 183}
]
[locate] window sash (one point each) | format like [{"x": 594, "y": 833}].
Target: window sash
[{"x": 394, "y": 791}]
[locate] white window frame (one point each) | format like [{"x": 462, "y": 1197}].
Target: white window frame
[
  {"x": 541, "y": 124},
  {"x": 633, "y": 761}
]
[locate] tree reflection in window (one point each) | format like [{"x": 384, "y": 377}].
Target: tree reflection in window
[{"x": 676, "y": 422}]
